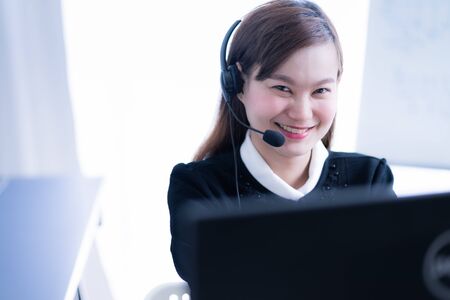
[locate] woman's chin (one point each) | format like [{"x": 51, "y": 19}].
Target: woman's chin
[{"x": 293, "y": 151}]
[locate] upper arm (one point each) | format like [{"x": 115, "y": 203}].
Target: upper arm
[
  {"x": 188, "y": 196},
  {"x": 383, "y": 179},
  {"x": 183, "y": 186}
]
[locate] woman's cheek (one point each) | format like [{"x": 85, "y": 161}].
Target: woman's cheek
[
  {"x": 273, "y": 106},
  {"x": 327, "y": 110}
]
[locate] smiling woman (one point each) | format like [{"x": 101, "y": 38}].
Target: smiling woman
[{"x": 282, "y": 74}]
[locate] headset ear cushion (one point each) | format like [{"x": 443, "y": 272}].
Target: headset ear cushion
[
  {"x": 236, "y": 79},
  {"x": 231, "y": 82},
  {"x": 226, "y": 81}
]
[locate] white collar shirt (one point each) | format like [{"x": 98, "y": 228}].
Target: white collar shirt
[{"x": 261, "y": 171}]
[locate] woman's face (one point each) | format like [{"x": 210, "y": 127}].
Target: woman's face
[{"x": 298, "y": 100}]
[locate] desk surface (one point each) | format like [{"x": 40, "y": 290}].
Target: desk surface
[{"x": 44, "y": 225}]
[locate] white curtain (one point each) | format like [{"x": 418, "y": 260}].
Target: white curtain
[{"x": 36, "y": 123}]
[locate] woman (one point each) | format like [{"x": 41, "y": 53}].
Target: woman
[{"x": 288, "y": 63}]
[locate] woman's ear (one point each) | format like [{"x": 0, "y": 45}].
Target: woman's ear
[
  {"x": 244, "y": 79},
  {"x": 241, "y": 73},
  {"x": 238, "y": 65}
]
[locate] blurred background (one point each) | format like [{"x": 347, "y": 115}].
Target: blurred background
[{"x": 124, "y": 90}]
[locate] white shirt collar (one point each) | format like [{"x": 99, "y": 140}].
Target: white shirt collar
[{"x": 259, "y": 169}]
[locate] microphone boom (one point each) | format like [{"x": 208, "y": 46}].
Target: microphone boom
[{"x": 271, "y": 137}]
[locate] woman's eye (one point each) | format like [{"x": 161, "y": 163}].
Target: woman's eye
[
  {"x": 282, "y": 88},
  {"x": 321, "y": 91}
]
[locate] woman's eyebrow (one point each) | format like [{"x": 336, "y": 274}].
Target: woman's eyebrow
[
  {"x": 282, "y": 77},
  {"x": 324, "y": 81},
  {"x": 291, "y": 81}
]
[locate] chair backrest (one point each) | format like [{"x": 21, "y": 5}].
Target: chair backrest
[{"x": 170, "y": 291}]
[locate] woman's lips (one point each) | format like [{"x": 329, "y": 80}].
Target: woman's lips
[{"x": 295, "y": 132}]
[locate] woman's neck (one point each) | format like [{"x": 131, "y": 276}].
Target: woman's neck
[{"x": 293, "y": 170}]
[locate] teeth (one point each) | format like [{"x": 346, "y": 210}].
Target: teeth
[{"x": 293, "y": 130}]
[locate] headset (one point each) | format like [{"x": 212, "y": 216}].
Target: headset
[
  {"x": 230, "y": 78},
  {"x": 232, "y": 84}
]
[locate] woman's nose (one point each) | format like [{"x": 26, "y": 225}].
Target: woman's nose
[{"x": 300, "y": 109}]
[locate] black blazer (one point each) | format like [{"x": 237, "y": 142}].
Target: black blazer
[{"x": 211, "y": 183}]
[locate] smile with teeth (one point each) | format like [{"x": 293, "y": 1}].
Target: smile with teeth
[{"x": 293, "y": 129}]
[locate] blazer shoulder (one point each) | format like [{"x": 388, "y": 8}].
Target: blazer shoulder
[
  {"x": 361, "y": 169},
  {"x": 355, "y": 157},
  {"x": 207, "y": 165},
  {"x": 351, "y": 155}
]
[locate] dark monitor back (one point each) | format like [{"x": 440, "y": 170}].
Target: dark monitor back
[{"x": 397, "y": 249}]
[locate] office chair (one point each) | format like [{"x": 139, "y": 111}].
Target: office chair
[{"x": 169, "y": 291}]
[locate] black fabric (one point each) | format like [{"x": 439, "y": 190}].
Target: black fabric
[{"x": 210, "y": 184}]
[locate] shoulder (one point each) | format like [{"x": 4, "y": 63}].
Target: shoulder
[
  {"x": 351, "y": 155},
  {"x": 201, "y": 184},
  {"x": 206, "y": 178},
  {"x": 360, "y": 168},
  {"x": 211, "y": 165},
  {"x": 355, "y": 159}
]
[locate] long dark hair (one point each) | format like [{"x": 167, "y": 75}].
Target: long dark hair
[{"x": 266, "y": 37}]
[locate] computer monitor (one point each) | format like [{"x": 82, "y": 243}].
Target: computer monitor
[{"x": 377, "y": 249}]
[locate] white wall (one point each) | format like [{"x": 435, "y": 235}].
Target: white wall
[
  {"x": 144, "y": 82},
  {"x": 36, "y": 128},
  {"x": 406, "y": 96}
]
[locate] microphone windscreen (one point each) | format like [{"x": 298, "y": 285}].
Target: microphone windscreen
[{"x": 273, "y": 138}]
